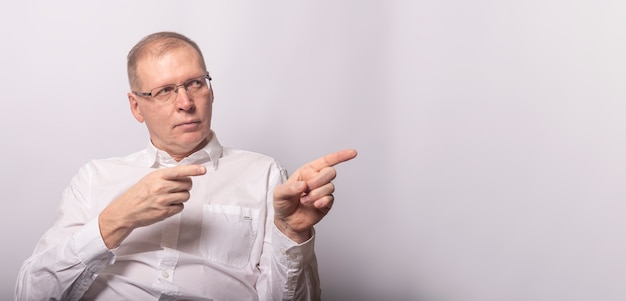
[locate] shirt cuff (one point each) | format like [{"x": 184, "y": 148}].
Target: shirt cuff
[
  {"x": 291, "y": 254},
  {"x": 90, "y": 248}
]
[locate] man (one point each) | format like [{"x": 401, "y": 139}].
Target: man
[{"x": 185, "y": 218}]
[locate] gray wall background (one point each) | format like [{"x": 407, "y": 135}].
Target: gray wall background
[{"x": 491, "y": 133}]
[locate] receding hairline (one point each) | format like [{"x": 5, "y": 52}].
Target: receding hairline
[{"x": 156, "y": 45}]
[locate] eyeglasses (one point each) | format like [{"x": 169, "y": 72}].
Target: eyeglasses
[{"x": 193, "y": 86}]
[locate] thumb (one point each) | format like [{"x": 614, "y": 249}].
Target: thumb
[{"x": 289, "y": 190}]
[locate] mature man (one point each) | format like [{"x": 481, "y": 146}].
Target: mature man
[{"x": 185, "y": 218}]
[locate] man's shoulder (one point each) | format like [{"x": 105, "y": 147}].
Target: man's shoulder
[
  {"x": 138, "y": 158},
  {"x": 247, "y": 156},
  {"x": 236, "y": 152}
]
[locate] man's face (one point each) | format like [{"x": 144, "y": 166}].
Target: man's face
[{"x": 182, "y": 125}]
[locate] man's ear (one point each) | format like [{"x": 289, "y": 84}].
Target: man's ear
[{"x": 134, "y": 107}]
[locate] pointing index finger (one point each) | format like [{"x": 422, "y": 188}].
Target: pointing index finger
[
  {"x": 333, "y": 159},
  {"x": 183, "y": 171}
]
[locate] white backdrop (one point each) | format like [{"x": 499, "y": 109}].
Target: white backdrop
[{"x": 491, "y": 134}]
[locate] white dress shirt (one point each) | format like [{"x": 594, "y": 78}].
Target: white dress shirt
[{"x": 222, "y": 246}]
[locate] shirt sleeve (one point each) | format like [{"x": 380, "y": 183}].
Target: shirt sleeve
[
  {"x": 288, "y": 269},
  {"x": 70, "y": 254}
]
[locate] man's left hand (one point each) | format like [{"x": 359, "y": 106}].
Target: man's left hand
[{"x": 307, "y": 196}]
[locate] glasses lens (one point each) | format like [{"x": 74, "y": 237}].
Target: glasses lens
[
  {"x": 195, "y": 85},
  {"x": 163, "y": 93}
]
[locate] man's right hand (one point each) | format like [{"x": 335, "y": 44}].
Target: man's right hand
[{"x": 157, "y": 196}]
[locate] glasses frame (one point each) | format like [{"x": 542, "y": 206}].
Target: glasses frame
[{"x": 175, "y": 86}]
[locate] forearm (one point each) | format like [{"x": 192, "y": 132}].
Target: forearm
[
  {"x": 288, "y": 264},
  {"x": 65, "y": 270},
  {"x": 293, "y": 271}
]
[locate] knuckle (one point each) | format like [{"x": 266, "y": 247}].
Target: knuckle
[{"x": 157, "y": 189}]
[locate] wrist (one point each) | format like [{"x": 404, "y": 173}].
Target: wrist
[
  {"x": 113, "y": 232},
  {"x": 297, "y": 236}
]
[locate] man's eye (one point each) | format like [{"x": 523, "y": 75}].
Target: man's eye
[
  {"x": 163, "y": 91},
  {"x": 195, "y": 83}
]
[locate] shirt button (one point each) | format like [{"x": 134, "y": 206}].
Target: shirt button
[
  {"x": 165, "y": 274},
  {"x": 283, "y": 251}
]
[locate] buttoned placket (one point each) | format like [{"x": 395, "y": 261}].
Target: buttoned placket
[
  {"x": 169, "y": 255},
  {"x": 168, "y": 258}
]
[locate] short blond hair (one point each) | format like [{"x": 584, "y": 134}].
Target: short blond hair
[{"x": 156, "y": 44}]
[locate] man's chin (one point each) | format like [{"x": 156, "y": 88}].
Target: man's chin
[{"x": 198, "y": 143}]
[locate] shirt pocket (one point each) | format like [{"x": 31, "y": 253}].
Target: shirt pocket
[{"x": 228, "y": 234}]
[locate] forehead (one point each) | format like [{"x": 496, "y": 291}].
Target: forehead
[{"x": 170, "y": 66}]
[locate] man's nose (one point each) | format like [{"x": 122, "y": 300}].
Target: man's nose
[{"x": 183, "y": 99}]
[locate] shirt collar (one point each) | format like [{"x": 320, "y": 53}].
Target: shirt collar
[{"x": 212, "y": 152}]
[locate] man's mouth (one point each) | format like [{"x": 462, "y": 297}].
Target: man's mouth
[{"x": 187, "y": 124}]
